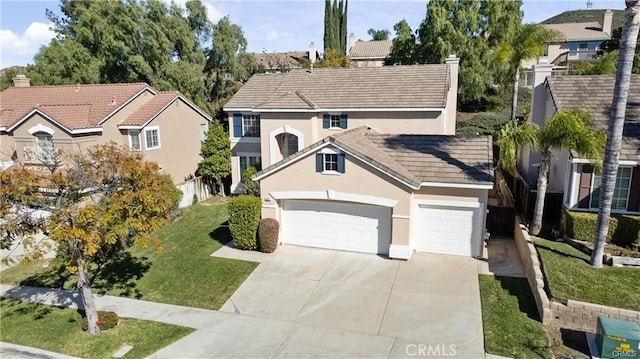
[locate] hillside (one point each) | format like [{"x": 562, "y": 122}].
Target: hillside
[{"x": 591, "y": 15}]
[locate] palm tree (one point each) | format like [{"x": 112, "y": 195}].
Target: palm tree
[
  {"x": 568, "y": 129},
  {"x": 616, "y": 123},
  {"x": 527, "y": 43}
]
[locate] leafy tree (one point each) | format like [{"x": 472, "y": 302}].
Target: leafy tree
[
  {"x": 605, "y": 65},
  {"x": 102, "y": 201},
  {"x": 333, "y": 58},
  {"x": 570, "y": 130},
  {"x": 7, "y": 75},
  {"x": 403, "y": 45},
  {"x": 335, "y": 25},
  {"x": 216, "y": 153},
  {"x": 377, "y": 35},
  {"x": 630, "y": 31},
  {"x": 611, "y": 47},
  {"x": 526, "y": 43}
]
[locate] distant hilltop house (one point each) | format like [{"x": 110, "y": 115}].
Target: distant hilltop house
[
  {"x": 581, "y": 33},
  {"x": 368, "y": 53},
  {"x": 276, "y": 62},
  {"x": 39, "y": 122}
]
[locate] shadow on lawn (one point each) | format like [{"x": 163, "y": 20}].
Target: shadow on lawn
[
  {"x": 519, "y": 288},
  {"x": 543, "y": 246},
  {"x": 221, "y": 233}
]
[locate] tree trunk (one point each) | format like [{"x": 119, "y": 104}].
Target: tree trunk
[
  {"x": 221, "y": 187},
  {"x": 543, "y": 174},
  {"x": 514, "y": 99},
  {"x": 87, "y": 297},
  {"x": 616, "y": 124}
]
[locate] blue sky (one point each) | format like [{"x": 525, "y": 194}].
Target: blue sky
[{"x": 268, "y": 25}]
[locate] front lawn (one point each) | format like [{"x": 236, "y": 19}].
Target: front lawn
[
  {"x": 59, "y": 330},
  {"x": 183, "y": 273},
  {"x": 510, "y": 319},
  {"x": 571, "y": 277}
]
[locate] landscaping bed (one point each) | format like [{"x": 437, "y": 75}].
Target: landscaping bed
[
  {"x": 510, "y": 319},
  {"x": 60, "y": 330},
  {"x": 570, "y": 276},
  {"x": 183, "y": 273}
]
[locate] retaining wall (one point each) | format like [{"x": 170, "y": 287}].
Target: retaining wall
[{"x": 584, "y": 316}]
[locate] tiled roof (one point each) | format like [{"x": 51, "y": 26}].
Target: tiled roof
[
  {"x": 371, "y": 49},
  {"x": 416, "y": 86},
  {"x": 579, "y": 31},
  {"x": 594, "y": 94},
  {"x": 150, "y": 109},
  {"x": 73, "y": 106},
  {"x": 276, "y": 60},
  {"x": 414, "y": 159}
]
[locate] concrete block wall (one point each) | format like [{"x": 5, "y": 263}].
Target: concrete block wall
[
  {"x": 583, "y": 316},
  {"x": 531, "y": 264}
]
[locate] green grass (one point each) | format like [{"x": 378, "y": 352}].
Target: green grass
[
  {"x": 59, "y": 330},
  {"x": 571, "y": 277},
  {"x": 183, "y": 273},
  {"x": 510, "y": 319}
]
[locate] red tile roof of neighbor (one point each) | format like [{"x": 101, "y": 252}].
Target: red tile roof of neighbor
[
  {"x": 150, "y": 109},
  {"x": 72, "y": 106}
]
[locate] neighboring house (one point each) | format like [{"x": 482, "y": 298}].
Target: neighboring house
[
  {"x": 38, "y": 122},
  {"x": 575, "y": 176},
  {"x": 276, "y": 62},
  {"x": 364, "y": 159},
  {"x": 579, "y": 41},
  {"x": 368, "y": 53}
]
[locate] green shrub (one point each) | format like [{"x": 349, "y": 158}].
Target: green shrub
[
  {"x": 251, "y": 187},
  {"x": 106, "y": 321},
  {"x": 244, "y": 217},
  {"x": 268, "y": 235},
  {"x": 624, "y": 230}
]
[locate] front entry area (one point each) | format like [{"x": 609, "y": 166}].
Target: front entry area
[
  {"x": 447, "y": 230},
  {"x": 337, "y": 225}
]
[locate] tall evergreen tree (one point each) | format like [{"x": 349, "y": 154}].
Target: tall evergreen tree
[
  {"x": 335, "y": 25},
  {"x": 403, "y": 45}
]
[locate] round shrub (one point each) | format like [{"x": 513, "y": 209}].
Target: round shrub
[
  {"x": 106, "y": 320},
  {"x": 268, "y": 235},
  {"x": 244, "y": 217}
]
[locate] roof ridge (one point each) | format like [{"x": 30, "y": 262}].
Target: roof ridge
[
  {"x": 306, "y": 99},
  {"x": 121, "y": 84}
]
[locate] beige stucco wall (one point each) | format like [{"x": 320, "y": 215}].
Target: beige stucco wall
[
  {"x": 61, "y": 139},
  {"x": 110, "y": 131},
  {"x": 368, "y": 63},
  {"x": 237, "y": 148},
  {"x": 7, "y": 148},
  {"x": 179, "y": 152}
]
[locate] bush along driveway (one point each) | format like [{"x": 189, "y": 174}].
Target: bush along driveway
[{"x": 183, "y": 273}]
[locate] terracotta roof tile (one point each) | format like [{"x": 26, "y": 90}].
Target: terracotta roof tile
[
  {"x": 415, "y": 86},
  {"x": 594, "y": 95},
  {"x": 370, "y": 49},
  {"x": 149, "y": 109},
  {"x": 73, "y": 106}
]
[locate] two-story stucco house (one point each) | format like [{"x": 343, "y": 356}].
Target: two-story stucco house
[
  {"x": 364, "y": 159},
  {"x": 570, "y": 174},
  {"x": 36, "y": 122}
]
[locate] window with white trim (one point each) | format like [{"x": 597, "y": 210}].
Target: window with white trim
[
  {"x": 152, "y": 138},
  {"x": 44, "y": 140},
  {"x": 621, "y": 190},
  {"x": 248, "y": 160},
  {"x": 134, "y": 140},
  {"x": 334, "y": 121},
  {"x": 330, "y": 161}
]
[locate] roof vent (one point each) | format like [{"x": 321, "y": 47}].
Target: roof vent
[
  {"x": 113, "y": 101},
  {"x": 78, "y": 88}
]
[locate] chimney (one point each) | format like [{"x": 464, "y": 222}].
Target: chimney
[
  {"x": 352, "y": 42},
  {"x": 453, "y": 63},
  {"x": 607, "y": 21},
  {"x": 312, "y": 52},
  {"x": 21, "y": 81}
]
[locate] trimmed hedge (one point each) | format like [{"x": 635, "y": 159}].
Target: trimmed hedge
[
  {"x": 624, "y": 230},
  {"x": 268, "y": 235},
  {"x": 244, "y": 217}
]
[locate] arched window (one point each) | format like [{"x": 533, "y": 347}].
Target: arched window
[
  {"x": 44, "y": 140},
  {"x": 288, "y": 144}
]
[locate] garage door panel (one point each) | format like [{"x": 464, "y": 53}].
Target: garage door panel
[
  {"x": 445, "y": 230},
  {"x": 337, "y": 225}
]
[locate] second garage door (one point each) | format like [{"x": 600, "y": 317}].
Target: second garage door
[
  {"x": 337, "y": 225},
  {"x": 446, "y": 230}
]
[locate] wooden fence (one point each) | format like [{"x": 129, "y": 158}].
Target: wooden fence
[{"x": 525, "y": 202}]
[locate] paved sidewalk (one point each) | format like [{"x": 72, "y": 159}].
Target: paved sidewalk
[{"x": 15, "y": 351}]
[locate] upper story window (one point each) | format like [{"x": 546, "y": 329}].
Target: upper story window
[
  {"x": 203, "y": 131},
  {"x": 334, "y": 121},
  {"x": 152, "y": 137},
  {"x": 330, "y": 161},
  {"x": 44, "y": 140},
  {"x": 246, "y": 125},
  {"x": 583, "y": 46},
  {"x": 134, "y": 140}
]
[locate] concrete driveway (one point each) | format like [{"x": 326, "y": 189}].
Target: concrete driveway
[{"x": 359, "y": 305}]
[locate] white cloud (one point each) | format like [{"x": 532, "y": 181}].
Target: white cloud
[
  {"x": 19, "y": 49},
  {"x": 213, "y": 12},
  {"x": 271, "y": 35}
]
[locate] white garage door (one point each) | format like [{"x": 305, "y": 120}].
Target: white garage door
[
  {"x": 446, "y": 230},
  {"x": 337, "y": 225}
]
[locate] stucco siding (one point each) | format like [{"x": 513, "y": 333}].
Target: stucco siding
[
  {"x": 427, "y": 123},
  {"x": 110, "y": 131},
  {"x": 179, "y": 152}
]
